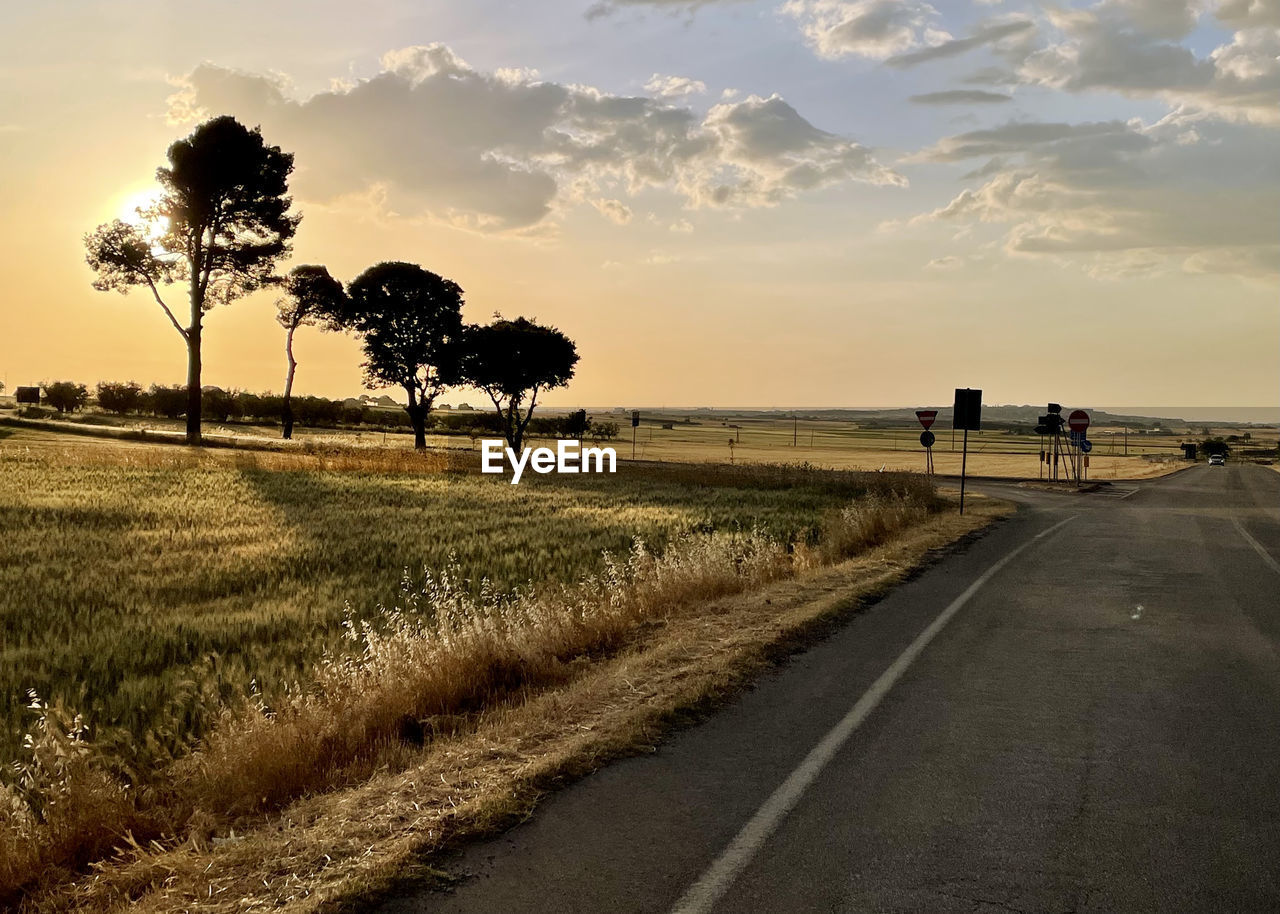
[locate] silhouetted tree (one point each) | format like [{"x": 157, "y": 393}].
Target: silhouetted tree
[
  {"x": 513, "y": 361},
  {"x": 120, "y": 399},
  {"x": 312, "y": 297},
  {"x": 220, "y": 226},
  {"x": 220, "y": 404},
  {"x": 1211, "y": 446},
  {"x": 170, "y": 402},
  {"x": 409, "y": 321},
  {"x": 66, "y": 396}
]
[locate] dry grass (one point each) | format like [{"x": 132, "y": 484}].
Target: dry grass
[{"x": 476, "y": 774}]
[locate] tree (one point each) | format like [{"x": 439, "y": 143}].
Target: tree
[
  {"x": 606, "y": 431},
  {"x": 221, "y": 224},
  {"x": 66, "y": 396},
  {"x": 170, "y": 402},
  {"x": 120, "y": 399},
  {"x": 311, "y": 297},
  {"x": 410, "y": 323},
  {"x": 512, "y": 362},
  {"x": 576, "y": 424},
  {"x": 1211, "y": 446}
]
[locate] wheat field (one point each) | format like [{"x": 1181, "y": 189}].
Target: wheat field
[{"x": 144, "y": 584}]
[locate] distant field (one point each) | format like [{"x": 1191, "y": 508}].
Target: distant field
[
  {"x": 836, "y": 444},
  {"x": 146, "y": 573}
]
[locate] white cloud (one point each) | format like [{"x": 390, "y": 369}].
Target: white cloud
[
  {"x": 1009, "y": 35},
  {"x": 615, "y": 211},
  {"x": 876, "y": 29},
  {"x": 1248, "y": 13},
  {"x": 1134, "y": 47},
  {"x": 1124, "y": 198},
  {"x": 674, "y": 86},
  {"x": 504, "y": 150}
]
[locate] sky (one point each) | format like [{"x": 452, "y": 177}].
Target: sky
[{"x": 723, "y": 202}]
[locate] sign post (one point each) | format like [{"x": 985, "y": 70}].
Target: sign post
[
  {"x": 1078, "y": 422},
  {"x": 635, "y": 423},
  {"x": 927, "y": 417},
  {"x": 966, "y": 415}
]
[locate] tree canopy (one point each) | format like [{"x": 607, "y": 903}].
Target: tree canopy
[
  {"x": 513, "y": 361},
  {"x": 221, "y": 225},
  {"x": 410, "y": 324}
]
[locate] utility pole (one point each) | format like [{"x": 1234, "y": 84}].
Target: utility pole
[{"x": 795, "y": 428}]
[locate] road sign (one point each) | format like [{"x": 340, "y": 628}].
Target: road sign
[
  {"x": 926, "y": 417},
  {"x": 1055, "y": 408},
  {"x": 1086, "y": 446},
  {"x": 1078, "y": 421},
  {"x": 968, "y": 409},
  {"x": 927, "y": 438},
  {"x": 635, "y": 418}
]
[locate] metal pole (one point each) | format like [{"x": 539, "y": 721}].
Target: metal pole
[
  {"x": 964, "y": 459},
  {"x": 795, "y": 429},
  {"x": 633, "y": 442}
]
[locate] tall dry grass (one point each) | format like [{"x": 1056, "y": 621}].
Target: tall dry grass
[{"x": 427, "y": 666}]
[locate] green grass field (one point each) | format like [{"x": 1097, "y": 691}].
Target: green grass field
[{"x": 137, "y": 576}]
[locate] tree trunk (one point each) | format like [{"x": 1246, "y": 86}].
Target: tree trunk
[
  {"x": 193, "y": 384},
  {"x": 287, "y": 417},
  {"x": 418, "y": 417}
]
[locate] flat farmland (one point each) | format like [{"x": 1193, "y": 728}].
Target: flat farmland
[
  {"x": 826, "y": 443},
  {"x": 846, "y": 445},
  {"x": 143, "y": 583}
]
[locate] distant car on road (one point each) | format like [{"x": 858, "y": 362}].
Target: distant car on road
[{"x": 1217, "y": 460}]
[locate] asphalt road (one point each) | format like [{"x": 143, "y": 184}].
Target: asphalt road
[{"x": 1094, "y": 727}]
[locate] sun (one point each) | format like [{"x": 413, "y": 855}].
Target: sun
[{"x": 142, "y": 200}]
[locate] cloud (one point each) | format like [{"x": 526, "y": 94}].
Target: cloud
[
  {"x": 1124, "y": 197},
  {"x": 961, "y": 97},
  {"x": 876, "y": 29},
  {"x": 988, "y": 33},
  {"x": 501, "y": 151},
  {"x": 1134, "y": 47},
  {"x": 608, "y": 7},
  {"x": 615, "y": 211},
  {"x": 674, "y": 86},
  {"x": 1249, "y": 13}
]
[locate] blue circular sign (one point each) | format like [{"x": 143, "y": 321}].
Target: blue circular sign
[
  {"x": 927, "y": 438},
  {"x": 1086, "y": 446}
]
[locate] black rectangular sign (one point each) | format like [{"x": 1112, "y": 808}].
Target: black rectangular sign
[{"x": 968, "y": 409}]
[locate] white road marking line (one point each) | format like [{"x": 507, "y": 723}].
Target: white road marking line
[
  {"x": 710, "y": 888},
  {"x": 1257, "y": 546}
]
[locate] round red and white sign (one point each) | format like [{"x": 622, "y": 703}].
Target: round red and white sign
[{"x": 1078, "y": 421}]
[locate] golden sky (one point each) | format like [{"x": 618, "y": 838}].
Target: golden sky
[{"x": 802, "y": 203}]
